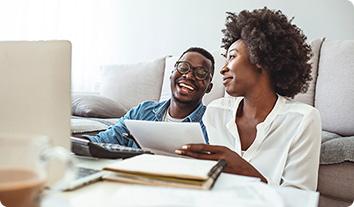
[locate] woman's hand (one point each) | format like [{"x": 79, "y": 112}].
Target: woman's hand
[{"x": 235, "y": 163}]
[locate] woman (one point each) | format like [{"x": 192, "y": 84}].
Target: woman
[{"x": 259, "y": 131}]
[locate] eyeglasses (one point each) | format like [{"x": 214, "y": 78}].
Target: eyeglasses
[{"x": 201, "y": 73}]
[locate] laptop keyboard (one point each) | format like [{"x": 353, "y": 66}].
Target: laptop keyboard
[{"x": 83, "y": 172}]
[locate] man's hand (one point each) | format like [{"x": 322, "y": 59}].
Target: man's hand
[{"x": 235, "y": 163}]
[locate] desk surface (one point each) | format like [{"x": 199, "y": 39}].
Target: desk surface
[{"x": 228, "y": 190}]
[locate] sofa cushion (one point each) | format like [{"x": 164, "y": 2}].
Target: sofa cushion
[
  {"x": 334, "y": 96},
  {"x": 337, "y": 150},
  {"x": 327, "y": 201},
  {"x": 96, "y": 106},
  {"x": 326, "y": 136},
  {"x": 131, "y": 84},
  {"x": 337, "y": 180},
  {"x": 216, "y": 92},
  {"x": 309, "y": 96}
]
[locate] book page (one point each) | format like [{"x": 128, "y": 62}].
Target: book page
[{"x": 165, "y": 166}]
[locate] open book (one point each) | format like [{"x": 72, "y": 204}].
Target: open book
[{"x": 159, "y": 170}]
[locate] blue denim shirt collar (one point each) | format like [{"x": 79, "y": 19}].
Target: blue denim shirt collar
[{"x": 195, "y": 116}]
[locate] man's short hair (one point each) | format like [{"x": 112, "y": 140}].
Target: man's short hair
[{"x": 203, "y": 52}]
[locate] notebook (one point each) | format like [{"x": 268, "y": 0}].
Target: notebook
[
  {"x": 160, "y": 170},
  {"x": 164, "y": 137}
]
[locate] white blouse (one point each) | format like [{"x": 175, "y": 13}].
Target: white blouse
[{"x": 286, "y": 149}]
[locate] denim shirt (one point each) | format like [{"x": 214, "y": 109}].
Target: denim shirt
[{"x": 147, "y": 110}]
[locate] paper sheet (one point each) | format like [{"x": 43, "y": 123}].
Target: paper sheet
[{"x": 164, "y": 136}]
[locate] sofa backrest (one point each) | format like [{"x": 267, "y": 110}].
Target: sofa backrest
[
  {"x": 331, "y": 90},
  {"x": 309, "y": 96},
  {"x": 130, "y": 84},
  {"x": 334, "y": 95}
]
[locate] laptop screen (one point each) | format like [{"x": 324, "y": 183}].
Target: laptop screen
[{"x": 35, "y": 89}]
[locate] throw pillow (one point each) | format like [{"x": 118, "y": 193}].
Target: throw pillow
[
  {"x": 218, "y": 89},
  {"x": 131, "y": 84},
  {"x": 96, "y": 106},
  {"x": 166, "y": 84},
  {"x": 86, "y": 125}
]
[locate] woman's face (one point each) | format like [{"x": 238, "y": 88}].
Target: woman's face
[{"x": 239, "y": 74}]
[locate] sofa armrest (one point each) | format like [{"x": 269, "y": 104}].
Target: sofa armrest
[{"x": 89, "y": 126}]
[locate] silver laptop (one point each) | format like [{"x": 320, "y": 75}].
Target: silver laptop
[{"x": 35, "y": 91}]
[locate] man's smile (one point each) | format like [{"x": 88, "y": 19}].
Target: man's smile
[{"x": 186, "y": 87}]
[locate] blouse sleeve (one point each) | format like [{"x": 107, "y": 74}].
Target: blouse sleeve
[{"x": 301, "y": 168}]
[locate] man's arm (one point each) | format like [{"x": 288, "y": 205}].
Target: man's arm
[
  {"x": 205, "y": 133},
  {"x": 118, "y": 133}
]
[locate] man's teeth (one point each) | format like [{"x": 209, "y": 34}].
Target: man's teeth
[{"x": 186, "y": 86}]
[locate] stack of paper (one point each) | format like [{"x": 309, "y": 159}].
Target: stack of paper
[{"x": 169, "y": 171}]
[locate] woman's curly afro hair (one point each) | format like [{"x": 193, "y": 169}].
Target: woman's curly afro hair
[{"x": 274, "y": 43}]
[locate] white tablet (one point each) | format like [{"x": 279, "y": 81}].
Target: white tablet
[{"x": 164, "y": 137}]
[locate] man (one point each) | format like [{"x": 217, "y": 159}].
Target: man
[{"x": 190, "y": 80}]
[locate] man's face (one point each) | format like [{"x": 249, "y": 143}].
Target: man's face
[{"x": 186, "y": 88}]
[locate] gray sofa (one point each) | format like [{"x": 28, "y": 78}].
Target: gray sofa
[
  {"x": 331, "y": 91},
  {"x": 334, "y": 97}
]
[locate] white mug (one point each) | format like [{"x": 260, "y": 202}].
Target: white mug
[{"x": 24, "y": 168}]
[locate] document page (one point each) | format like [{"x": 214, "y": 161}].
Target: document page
[{"x": 160, "y": 137}]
